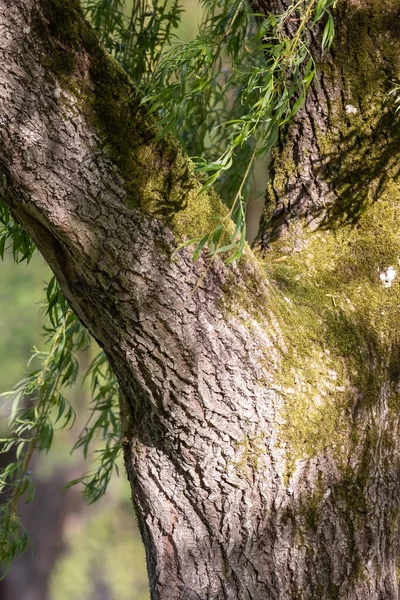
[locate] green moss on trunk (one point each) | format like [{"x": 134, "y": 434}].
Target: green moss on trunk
[
  {"x": 336, "y": 317},
  {"x": 159, "y": 178}
]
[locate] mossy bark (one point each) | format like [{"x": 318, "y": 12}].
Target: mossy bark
[
  {"x": 260, "y": 401},
  {"x": 330, "y": 241}
]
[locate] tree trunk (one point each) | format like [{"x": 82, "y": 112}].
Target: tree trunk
[{"x": 259, "y": 402}]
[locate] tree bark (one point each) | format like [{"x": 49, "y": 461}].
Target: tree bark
[{"x": 261, "y": 441}]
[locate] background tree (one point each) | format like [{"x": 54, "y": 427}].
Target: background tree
[{"x": 259, "y": 399}]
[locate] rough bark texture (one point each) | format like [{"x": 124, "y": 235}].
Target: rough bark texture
[
  {"x": 337, "y": 156},
  {"x": 253, "y": 477}
]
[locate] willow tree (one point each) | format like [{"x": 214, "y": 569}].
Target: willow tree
[{"x": 259, "y": 389}]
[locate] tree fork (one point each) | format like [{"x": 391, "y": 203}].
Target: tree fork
[{"x": 239, "y": 492}]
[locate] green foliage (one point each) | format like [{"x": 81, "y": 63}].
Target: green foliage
[
  {"x": 226, "y": 94},
  {"x": 33, "y": 427},
  {"x": 13, "y": 237},
  {"x": 138, "y": 37},
  {"x": 103, "y": 421},
  {"x": 229, "y": 92},
  {"x": 394, "y": 96}
]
